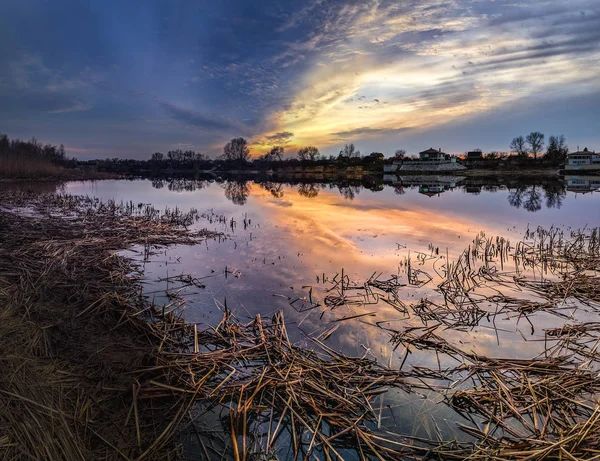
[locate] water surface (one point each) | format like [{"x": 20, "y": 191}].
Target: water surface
[{"x": 285, "y": 243}]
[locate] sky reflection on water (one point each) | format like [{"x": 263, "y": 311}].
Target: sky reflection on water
[{"x": 295, "y": 236}]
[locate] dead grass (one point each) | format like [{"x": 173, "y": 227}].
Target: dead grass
[{"x": 31, "y": 167}]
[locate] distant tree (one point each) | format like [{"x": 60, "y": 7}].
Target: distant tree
[
  {"x": 535, "y": 139},
  {"x": 308, "y": 153},
  {"x": 557, "y": 149},
  {"x": 349, "y": 151},
  {"x": 236, "y": 150},
  {"x": 4, "y": 143},
  {"x": 374, "y": 157},
  {"x": 400, "y": 153},
  {"x": 200, "y": 157},
  {"x": 274, "y": 155},
  {"x": 519, "y": 146},
  {"x": 157, "y": 157}
]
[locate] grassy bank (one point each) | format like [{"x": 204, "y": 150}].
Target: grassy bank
[{"x": 12, "y": 169}]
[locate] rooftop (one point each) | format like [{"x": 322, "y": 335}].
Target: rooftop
[{"x": 431, "y": 150}]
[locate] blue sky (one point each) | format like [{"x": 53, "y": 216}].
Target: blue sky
[{"x": 125, "y": 79}]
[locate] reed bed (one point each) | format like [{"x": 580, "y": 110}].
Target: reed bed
[
  {"x": 74, "y": 336},
  {"x": 92, "y": 369},
  {"x": 542, "y": 407}
]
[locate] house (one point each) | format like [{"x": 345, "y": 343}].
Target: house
[
  {"x": 432, "y": 155},
  {"x": 475, "y": 159},
  {"x": 582, "y": 160},
  {"x": 429, "y": 160}
]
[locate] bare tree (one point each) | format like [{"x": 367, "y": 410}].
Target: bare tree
[
  {"x": 400, "y": 153},
  {"x": 518, "y": 145},
  {"x": 236, "y": 150},
  {"x": 535, "y": 139},
  {"x": 274, "y": 155},
  {"x": 308, "y": 153},
  {"x": 350, "y": 151}
]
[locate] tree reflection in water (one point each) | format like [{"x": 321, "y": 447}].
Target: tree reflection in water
[
  {"x": 275, "y": 188},
  {"x": 237, "y": 191},
  {"x": 309, "y": 190},
  {"x": 179, "y": 184},
  {"x": 349, "y": 192},
  {"x": 530, "y": 197}
]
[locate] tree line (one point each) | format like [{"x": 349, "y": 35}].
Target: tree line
[
  {"x": 238, "y": 150},
  {"x": 533, "y": 144},
  {"x": 33, "y": 150}
]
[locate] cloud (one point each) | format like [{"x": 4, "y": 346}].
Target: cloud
[
  {"x": 281, "y": 137},
  {"x": 431, "y": 61},
  {"x": 33, "y": 88},
  {"x": 324, "y": 70},
  {"x": 367, "y": 131},
  {"x": 197, "y": 119}
]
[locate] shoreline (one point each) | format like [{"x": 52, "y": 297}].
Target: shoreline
[{"x": 294, "y": 174}]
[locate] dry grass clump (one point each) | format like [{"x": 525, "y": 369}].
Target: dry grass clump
[
  {"x": 267, "y": 382},
  {"x": 73, "y": 334}
]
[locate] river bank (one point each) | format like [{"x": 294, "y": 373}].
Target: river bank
[{"x": 77, "y": 343}]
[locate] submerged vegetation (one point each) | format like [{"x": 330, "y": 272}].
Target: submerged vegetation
[{"x": 93, "y": 369}]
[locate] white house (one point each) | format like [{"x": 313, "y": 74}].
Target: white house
[{"x": 582, "y": 160}]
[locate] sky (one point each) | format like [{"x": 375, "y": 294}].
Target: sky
[{"x": 117, "y": 78}]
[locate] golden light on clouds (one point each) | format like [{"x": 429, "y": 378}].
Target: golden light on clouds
[{"x": 390, "y": 71}]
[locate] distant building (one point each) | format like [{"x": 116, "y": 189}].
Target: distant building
[
  {"x": 475, "y": 159},
  {"x": 432, "y": 155},
  {"x": 429, "y": 160},
  {"x": 583, "y": 160}
]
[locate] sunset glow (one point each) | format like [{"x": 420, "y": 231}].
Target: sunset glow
[{"x": 381, "y": 74}]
